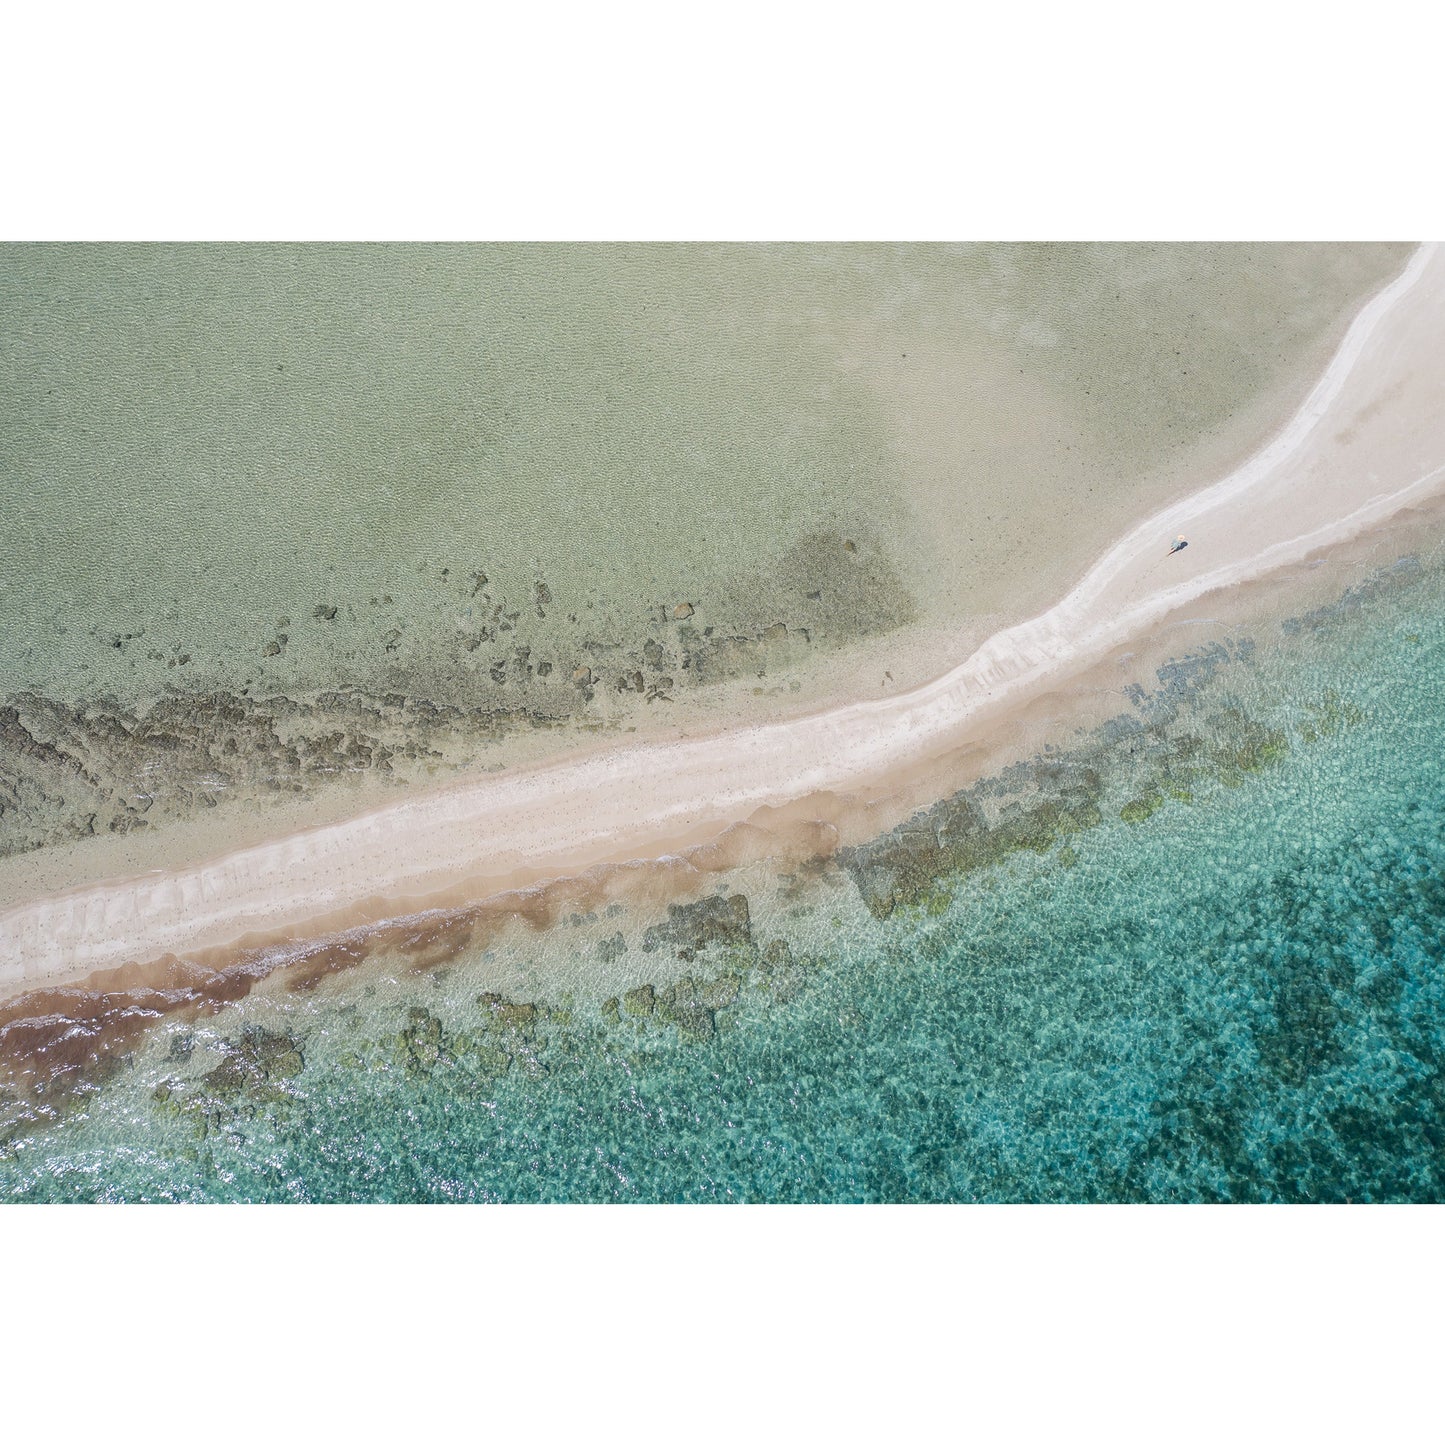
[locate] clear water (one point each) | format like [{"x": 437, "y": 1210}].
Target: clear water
[
  {"x": 290, "y": 528},
  {"x": 198, "y": 441},
  {"x": 1226, "y": 983}
]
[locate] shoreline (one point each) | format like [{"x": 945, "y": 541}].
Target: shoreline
[
  {"x": 64, "y": 1033},
  {"x": 1312, "y": 485}
]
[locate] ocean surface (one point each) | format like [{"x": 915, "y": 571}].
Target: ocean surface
[{"x": 1194, "y": 954}]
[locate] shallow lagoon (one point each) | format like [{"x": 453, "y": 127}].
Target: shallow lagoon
[
  {"x": 293, "y": 528},
  {"x": 199, "y": 440}
]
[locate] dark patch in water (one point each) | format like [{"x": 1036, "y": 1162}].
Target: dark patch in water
[
  {"x": 691, "y": 927},
  {"x": 71, "y": 770},
  {"x": 1048, "y": 800}
]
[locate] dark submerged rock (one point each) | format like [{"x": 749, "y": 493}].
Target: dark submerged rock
[
  {"x": 640, "y": 1002},
  {"x": 691, "y": 927}
]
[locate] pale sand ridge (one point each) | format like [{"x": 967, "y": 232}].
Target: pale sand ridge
[{"x": 1368, "y": 441}]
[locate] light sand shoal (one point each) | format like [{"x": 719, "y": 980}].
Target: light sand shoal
[{"x": 1368, "y": 441}]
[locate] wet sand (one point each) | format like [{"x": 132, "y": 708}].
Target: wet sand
[{"x": 1367, "y": 443}]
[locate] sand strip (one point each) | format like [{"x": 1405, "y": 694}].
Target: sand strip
[{"x": 1368, "y": 441}]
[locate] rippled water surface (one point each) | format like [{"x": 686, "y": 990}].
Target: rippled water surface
[{"x": 1194, "y": 956}]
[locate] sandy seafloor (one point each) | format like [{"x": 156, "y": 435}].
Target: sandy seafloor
[{"x": 1179, "y": 938}]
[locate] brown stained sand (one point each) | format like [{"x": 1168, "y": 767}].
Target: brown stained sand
[
  {"x": 58, "y": 1042},
  {"x": 1367, "y": 444}
]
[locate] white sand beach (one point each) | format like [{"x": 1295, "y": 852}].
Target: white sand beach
[{"x": 1368, "y": 442}]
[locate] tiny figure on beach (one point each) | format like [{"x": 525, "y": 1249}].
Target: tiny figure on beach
[{"x": 1179, "y": 545}]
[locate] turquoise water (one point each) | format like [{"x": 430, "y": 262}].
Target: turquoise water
[{"x": 1206, "y": 966}]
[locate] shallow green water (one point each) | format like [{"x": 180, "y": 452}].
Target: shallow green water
[
  {"x": 199, "y": 441},
  {"x": 1195, "y": 956},
  {"x": 300, "y": 523}
]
